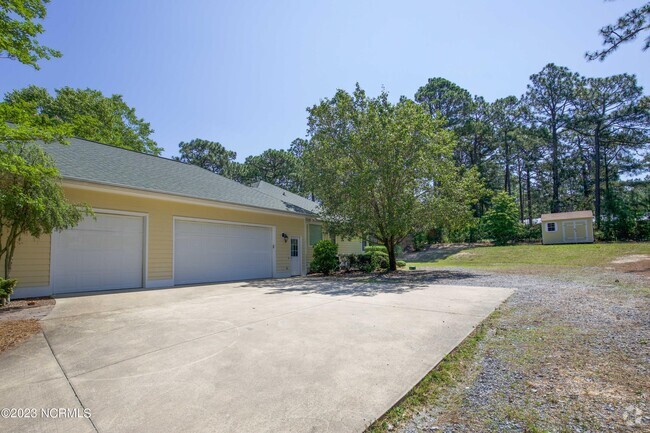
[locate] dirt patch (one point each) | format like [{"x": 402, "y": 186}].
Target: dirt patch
[
  {"x": 636, "y": 263},
  {"x": 19, "y": 320},
  {"x": 15, "y": 332},
  {"x": 26, "y": 309}
]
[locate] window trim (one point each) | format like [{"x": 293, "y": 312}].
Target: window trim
[{"x": 548, "y": 227}]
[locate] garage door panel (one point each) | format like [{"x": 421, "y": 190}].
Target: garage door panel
[
  {"x": 209, "y": 252},
  {"x": 100, "y": 253}
]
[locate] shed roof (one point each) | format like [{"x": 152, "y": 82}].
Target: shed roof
[
  {"x": 581, "y": 214},
  {"x": 90, "y": 161}
]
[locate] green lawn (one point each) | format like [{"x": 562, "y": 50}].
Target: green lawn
[{"x": 539, "y": 256}]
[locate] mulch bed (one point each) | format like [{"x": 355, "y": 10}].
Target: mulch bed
[{"x": 19, "y": 320}]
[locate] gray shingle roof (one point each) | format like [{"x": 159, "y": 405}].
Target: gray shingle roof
[
  {"x": 100, "y": 163},
  {"x": 286, "y": 196},
  {"x": 567, "y": 215}
]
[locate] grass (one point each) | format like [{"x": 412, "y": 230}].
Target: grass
[
  {"x": 539, "y": 256},
  {"x": 447, "y": 373}
]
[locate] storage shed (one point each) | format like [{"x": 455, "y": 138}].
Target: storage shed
[{"x": 568, "y": 227}]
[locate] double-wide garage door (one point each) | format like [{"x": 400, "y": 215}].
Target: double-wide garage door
[
  {"x": 209, "y": 251},
  {"x": 101, "y": 253}
]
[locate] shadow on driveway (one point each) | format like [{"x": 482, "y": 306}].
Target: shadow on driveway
[{"x": 360, "y": 284}]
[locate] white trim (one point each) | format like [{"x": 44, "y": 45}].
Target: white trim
[
  {"x": 305, "y": 264},
  {"x": 160, "y": 195},
  {"x": 54, "y": 236},
  {"x": 300, "y": 254},
  {"x": 31, "y": 292},
  {"x": 204, "y": 220},
  {"x": 158, "y": 284}
]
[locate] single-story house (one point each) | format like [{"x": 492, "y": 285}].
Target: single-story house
[
  {"x": 568, "y": 227},
  {"x": 161, "y": 223}
]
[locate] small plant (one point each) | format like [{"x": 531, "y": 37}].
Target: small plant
[
  {"x": 325, "y": 259},
  {"x": 401, "y": 263},
  {"x": 6, "y": 289},
  {"x": 375, "y": 257}
]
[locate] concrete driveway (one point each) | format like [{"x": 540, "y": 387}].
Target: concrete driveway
[{"x": 298, "y": 355}]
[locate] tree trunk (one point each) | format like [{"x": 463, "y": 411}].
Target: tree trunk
[
  {"x": 521, "y": 192},
  {"x": 392, "y": 261},
  {"x": 528, "y": 196},
  {"x": 555, "y": 206},
  {"x": 506, "y": 147},
  {"x": 597, "y": 163}
]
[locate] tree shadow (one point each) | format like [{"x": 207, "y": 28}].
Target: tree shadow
[
  {"x": 435, "y": 253},
  {"x": 361, "y": 284}
]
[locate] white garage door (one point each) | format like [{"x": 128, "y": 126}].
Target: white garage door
[
  {"x": 101, "y": 253},
  {"x": 207, "y": 252}
]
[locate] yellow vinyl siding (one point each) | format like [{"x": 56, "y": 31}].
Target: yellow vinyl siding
[
  {"x": 349, "y": 246},
  {"x": 32, "y": 260},
  {"x": 31, "y": 264}
]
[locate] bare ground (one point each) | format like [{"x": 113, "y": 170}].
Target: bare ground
[{"x": 19, "y": 320}]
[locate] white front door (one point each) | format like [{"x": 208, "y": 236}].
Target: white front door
[
  {"x": 574, "y": 231},
  {"x": 206, "y": 252},
  {"x": 104, "y": 252},
  {"x": 296, "y": 257}
]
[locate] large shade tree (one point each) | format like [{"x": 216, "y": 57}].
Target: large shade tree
[
  {"x": 91, "y": 116},
  {"x": 384, "y": 170},
  {"x": 207, "y": 154},
  {"x": 20, "y": 26}
]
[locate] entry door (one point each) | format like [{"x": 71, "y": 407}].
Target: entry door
[
  {"x": 568, "y": 231},
  {"x": 574, "y": 231},
  {"x": 296, "y": 257},
  {"x": 580, "y": 230},
  {"x": 104, "y": 252}
]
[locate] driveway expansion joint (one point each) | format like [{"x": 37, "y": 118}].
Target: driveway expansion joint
[{"x": 74, "y": 391}]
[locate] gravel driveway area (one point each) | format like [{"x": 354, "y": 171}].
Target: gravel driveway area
[{"x": 568, "y": 353}]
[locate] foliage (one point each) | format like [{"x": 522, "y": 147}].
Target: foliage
[
  {"x": 325, "y": 258},
  {"x": 6, "y": 289},
  {"x": 277, "y": 167},
  {"x": 384, "y": 170},
  {"x": 501, "y": 221},
  {"x": 209, "y": 155},
  {"x": 401, "y": 263},
  {"x": 31, "y": 198},
  {"x": 446, "y": 100},
  {"x": 19, "y": 30},
  {"x": 90, "y": 115},
  {"x": 626, "y": 29},
  {"x": 376, "y": 257}
]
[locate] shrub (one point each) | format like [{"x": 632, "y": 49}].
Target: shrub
[
  {"x": 325, "y": 257},
  {"x": 501, "y": 222},
  {"x": 6, "y": 289},
  {"x": 376, "y": 257},
  {"x": 401, "y": 263}
]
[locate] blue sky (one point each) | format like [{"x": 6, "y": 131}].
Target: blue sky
[{"x": 243, "y": 72}]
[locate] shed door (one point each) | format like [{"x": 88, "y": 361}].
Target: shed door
[
  {"x": 207, "y": 252},
  {"x": 101, "y": 253}
]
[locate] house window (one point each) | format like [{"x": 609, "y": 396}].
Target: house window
[
  {"x": 315, "y": 234},
  {"x": 550, "y": 227},
  {"x": 294, "y": 247}
]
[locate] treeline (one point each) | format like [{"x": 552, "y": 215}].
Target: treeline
[{"x": 568, "y": 143}]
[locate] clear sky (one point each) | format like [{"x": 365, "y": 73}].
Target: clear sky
[{"x": 243, "y": 72}]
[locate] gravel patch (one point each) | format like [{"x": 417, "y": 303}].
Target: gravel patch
[{"x": 568, "y": 353}]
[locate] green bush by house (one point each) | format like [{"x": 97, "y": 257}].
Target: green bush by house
[{"x": 325, "y": 259}]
